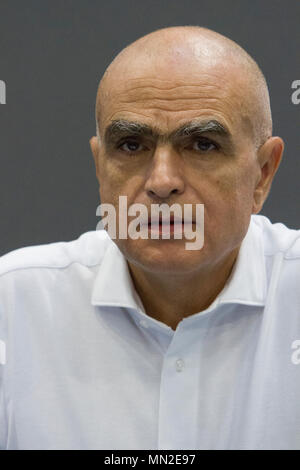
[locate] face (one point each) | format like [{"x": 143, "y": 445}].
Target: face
[{"x": 217, "y": 167}]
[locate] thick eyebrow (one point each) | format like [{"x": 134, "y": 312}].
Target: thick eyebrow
[{"x": 122, "y": 128}]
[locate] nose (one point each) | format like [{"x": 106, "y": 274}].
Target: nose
[{"x": 166, "y": 175}]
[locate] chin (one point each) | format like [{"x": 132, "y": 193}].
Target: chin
[{"x": 162, "y": 256}]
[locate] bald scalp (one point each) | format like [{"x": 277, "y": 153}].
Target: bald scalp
[{"x": 196, "y": 43}]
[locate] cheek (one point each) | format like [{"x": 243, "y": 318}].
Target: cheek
[
  {"x": 237, "y": 184},
  {"x": 119, "y": 179},
  {"x": 229, "y": 197},
  {"x": 112, "y": 183},
  {"x": 227, "y": 214}
]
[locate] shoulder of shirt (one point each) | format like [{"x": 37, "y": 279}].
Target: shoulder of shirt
[
  {"x": 88, "y": 250},
  {"x": 277, "y": 237}
]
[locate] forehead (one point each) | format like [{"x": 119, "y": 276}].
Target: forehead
[{"x": 171, "y": 97}]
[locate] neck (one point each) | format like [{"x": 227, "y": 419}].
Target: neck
[{"x": 169, "y": 299}]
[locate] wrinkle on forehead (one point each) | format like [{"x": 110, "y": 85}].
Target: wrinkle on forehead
[
  {"x": 181, "y": 55},
  {"x": 177, "y": 103}
]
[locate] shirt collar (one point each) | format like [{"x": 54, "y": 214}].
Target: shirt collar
[
  {"x": 247, "y": 283},
  {"x": 113, "y": 285}
]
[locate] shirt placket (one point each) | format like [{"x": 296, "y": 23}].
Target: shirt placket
[{"x": 179, "y": 389}]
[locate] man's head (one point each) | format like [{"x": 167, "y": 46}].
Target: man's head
[{"x": 195, "y": 80}]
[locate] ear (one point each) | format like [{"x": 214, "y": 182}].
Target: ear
[
  {"x": 94, "y": 144},
  {"x": 269, "y": 156}
]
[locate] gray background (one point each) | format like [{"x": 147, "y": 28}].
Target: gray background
[{"x": 52, "y": 55}]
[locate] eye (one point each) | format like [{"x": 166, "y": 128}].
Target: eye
[
  {"x": 129, "y": 146},
  {"x": 204, "y": 145}
]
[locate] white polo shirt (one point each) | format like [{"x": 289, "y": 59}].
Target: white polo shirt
[{"x": 82, "y": 366}]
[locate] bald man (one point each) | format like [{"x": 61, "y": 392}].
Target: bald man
[{"x": 130, "y": 342}]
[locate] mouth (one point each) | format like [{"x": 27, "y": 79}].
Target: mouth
[{"x": 173, "y": 224}]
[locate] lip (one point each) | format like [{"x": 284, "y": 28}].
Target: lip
[
  {"x": 172, "y": 220},
  {"x": 173, "y": 227}
]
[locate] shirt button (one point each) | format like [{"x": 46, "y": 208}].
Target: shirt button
[
  {"x": 144, "y": 323},
  {"x": 179, "y": 365}
]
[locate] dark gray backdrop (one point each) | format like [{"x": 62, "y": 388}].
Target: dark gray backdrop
[{"x": 52, "y": 55}]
